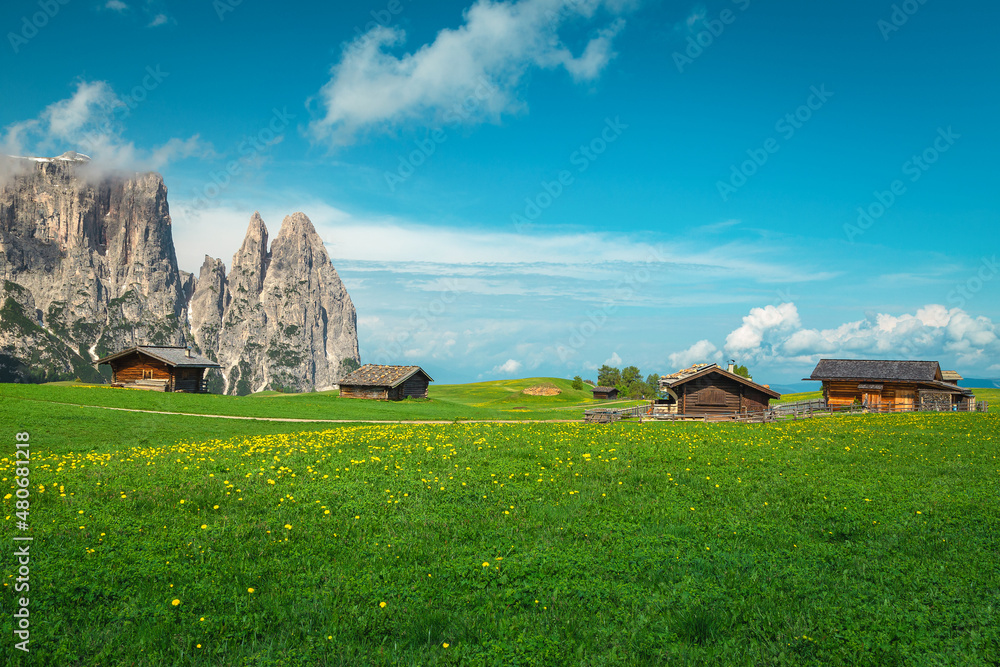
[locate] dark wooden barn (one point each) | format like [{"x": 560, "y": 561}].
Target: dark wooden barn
[
  {"x": 897, "y": 386},
  {"x": 159, "y": 368},
  {"x": 605, "y": 393},
  {"x": 386, "y": 383},
  {"x": 708, "y": 389}
]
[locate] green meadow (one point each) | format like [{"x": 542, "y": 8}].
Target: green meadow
[{"x": 186, "y": 540}]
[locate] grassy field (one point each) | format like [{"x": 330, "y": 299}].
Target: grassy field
[
  {"x": 855, "y": 540},
  {"x": 487, "y": 400}
]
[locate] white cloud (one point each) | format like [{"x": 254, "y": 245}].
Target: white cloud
[
  {"x": 467, "y": 75},
  {"x": 614, "y": 361},
  {"x": 935, "y": 333},
  {"x": 702, "y": 351},
  {"x": 90, "y": 122},
  {"x": 509, "y": 367},
  {"x": 159, "y": 19},
  {"x": 116, "y": 5},
  {"x": 760, "y": 323}
]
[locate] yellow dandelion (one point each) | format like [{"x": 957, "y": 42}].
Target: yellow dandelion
[
  {"x": 204, "y": 526},
  {"x": 288, "y": 526},
  {"x": 486, "y": 564},
  {"x": 446, "y": 645},
  {"x": 249, "y": 590},
  {"x": 382, "y": 605},
  {"x": 175, "y": 602}
]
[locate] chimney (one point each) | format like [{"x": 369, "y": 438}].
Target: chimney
[
  {"x": 732, "y": 366},
  {"x": 187, "y": 351}
]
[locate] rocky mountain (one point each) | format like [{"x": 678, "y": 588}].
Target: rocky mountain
[
  {"x": 282, "y": 319},
  {"x": 87, "y": 267}
]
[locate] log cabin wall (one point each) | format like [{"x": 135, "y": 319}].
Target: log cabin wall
[
  {"x": 416, "y": 386},
  {"x": 188, "y": 380},
  {"x": 711, "y": 394},
  {"x": 133, "y": 368},
  {"x": 371, "y": 393}
]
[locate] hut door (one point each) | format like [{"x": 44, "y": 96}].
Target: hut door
[
  {"x": 905, "y": 399},
  {"x": 873, "y": 399}
]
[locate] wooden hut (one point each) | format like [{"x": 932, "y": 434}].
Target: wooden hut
[
  {"x": 891, "y": 385},
  {"x": 708, "y": 389},
  {"x": 605, "y": 393},
  {"x": 159, "y": 368},
  {"x": 386, "y": 383}
]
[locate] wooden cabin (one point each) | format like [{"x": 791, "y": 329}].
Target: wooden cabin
[
  {"x": 707, "y": 389},
  {"x": 891, "y": 385},
  {"x": 605, "y": 393},
  {"x": 386, "y": 383},
  {"x": 159, "y": 368}
]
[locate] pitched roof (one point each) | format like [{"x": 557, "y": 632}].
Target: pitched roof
[
  {"x": 603, "y": 390},
  {"x": 951, "y": 376},
  {"x": 683, "y": 373},
  {"x": 871, "y": 369},
  {"x": 699, "y": 370},
  {"x": 374, "y": 375},
  {"x": 172, "y": 355}
]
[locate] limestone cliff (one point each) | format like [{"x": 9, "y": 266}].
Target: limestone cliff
[
  {"x": 88, "y": 267},
  {"x": 285, "y": 321}
]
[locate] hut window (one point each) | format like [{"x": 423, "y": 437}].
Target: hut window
[
  {"x": 147, "y": 373},
  {"x": 713, "y": 396}
]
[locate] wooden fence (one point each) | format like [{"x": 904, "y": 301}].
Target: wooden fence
[{"x": 794, "y": 411}]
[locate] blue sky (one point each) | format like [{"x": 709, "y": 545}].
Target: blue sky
[{"x": 539, "y": 187}]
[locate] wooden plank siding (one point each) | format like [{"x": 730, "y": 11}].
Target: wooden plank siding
[
  {"x": 415, "y": 387},
  {"x": 137, "y": 368},
  {"x": 714, "y": 394}
]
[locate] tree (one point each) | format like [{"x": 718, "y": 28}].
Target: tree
[
  {"x": 577, "y": 383},
  {"x": 741, "y": 371},
  {"x": 348, "y": 366},
  {"x": 608, "y": 376},
  {"x": 630, "y": 375}
]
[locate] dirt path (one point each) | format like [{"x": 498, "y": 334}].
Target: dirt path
[{"x": 324, "y": 421}]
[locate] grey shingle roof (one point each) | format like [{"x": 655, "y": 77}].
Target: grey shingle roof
[
  {"x": 169, "y": 354},
  {"x": 871, "y": 369},
  {"x": 374, "y": 375},
  {"x": 603, "y": 390}
]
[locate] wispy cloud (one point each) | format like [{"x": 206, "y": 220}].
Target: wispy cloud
[
  {"x": 371, "y": 89},
  {"x": 116, "y": 5},
  {"x": 90, "y": 121},
  {"x": 159, "y": 19}
]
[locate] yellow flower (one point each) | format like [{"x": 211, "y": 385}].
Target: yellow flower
[
  {"x": 288, "y": 526},
  {"x": 382, "y": 605},
  {"x": 249, "y": 590},
  {"x": 204, "y": 526},
  {"x": 198, "y": 646},
  {"x": 175, "y": 602},
  {"x": 486, "y": 564},
  {"x": 446, "y": 644}
]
